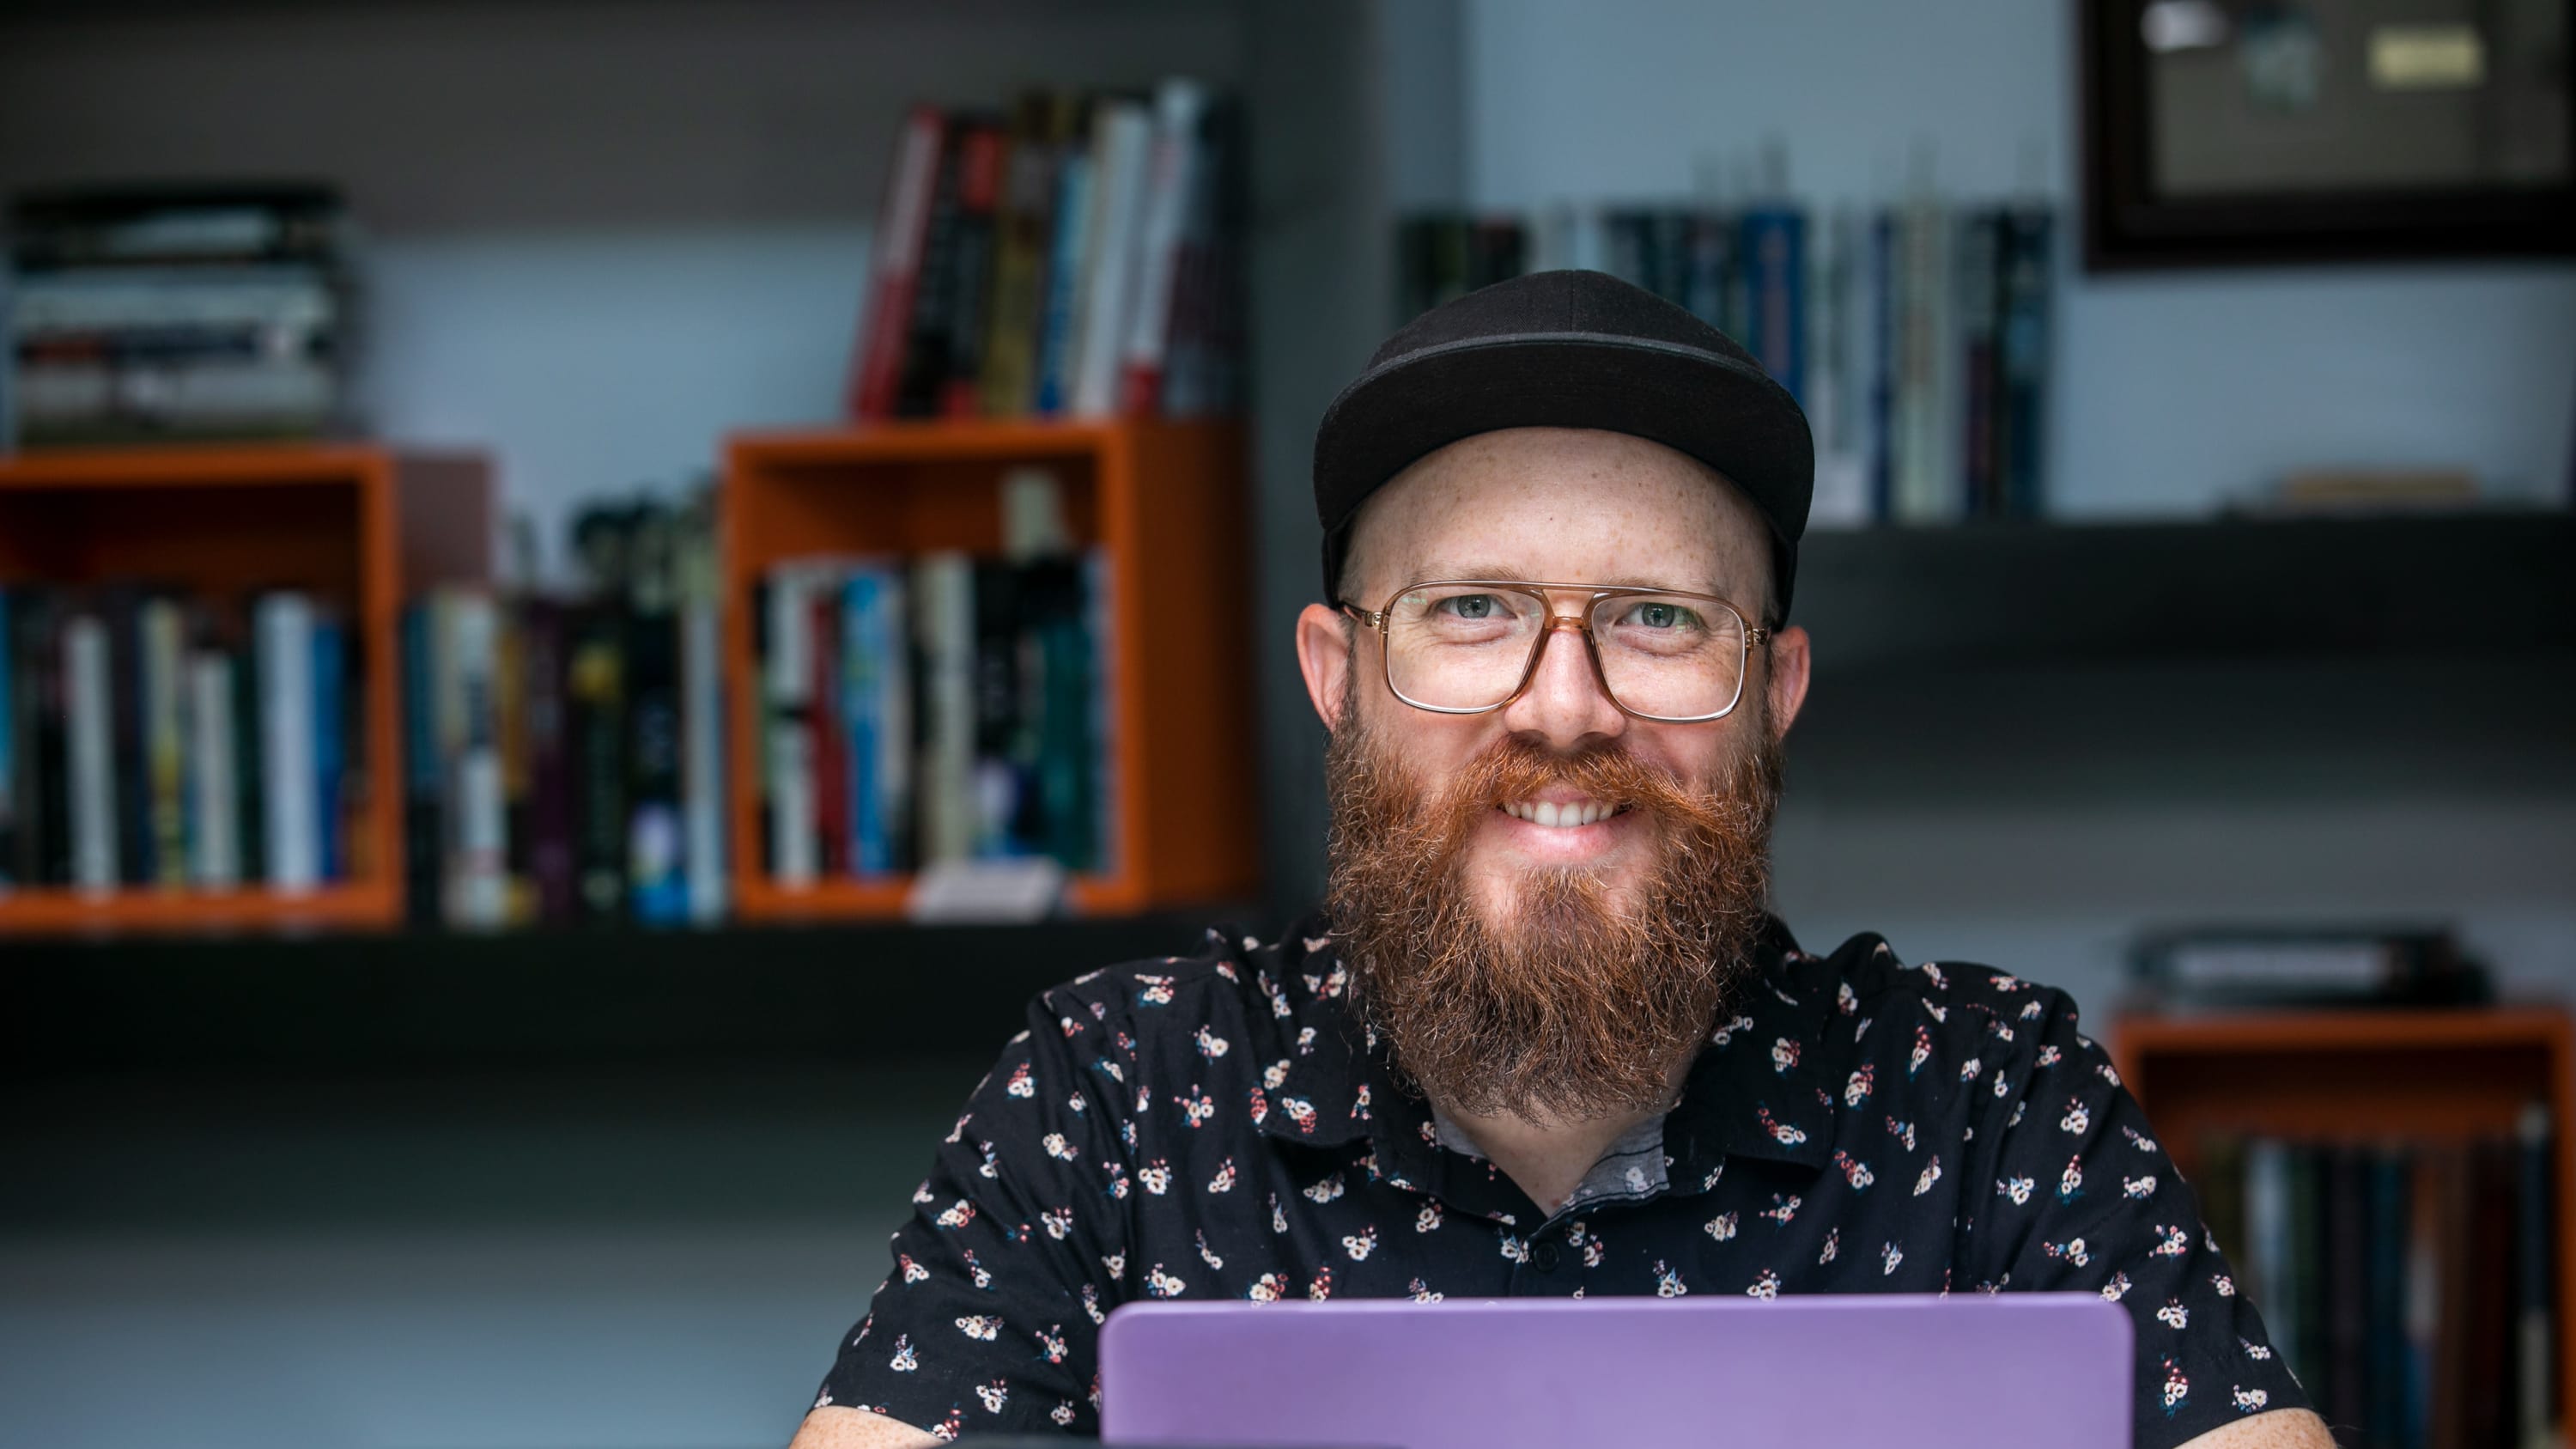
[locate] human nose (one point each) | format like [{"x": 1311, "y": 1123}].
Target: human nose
[{"x": 1565, "y": 703}]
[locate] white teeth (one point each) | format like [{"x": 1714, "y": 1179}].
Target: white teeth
[{"x": 1542, "y": 812}]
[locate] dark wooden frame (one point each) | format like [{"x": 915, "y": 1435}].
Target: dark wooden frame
[{"x": 2127, "y": 227}]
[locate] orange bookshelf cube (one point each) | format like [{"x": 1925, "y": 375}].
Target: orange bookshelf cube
[
  {"x": 2364, "y": 1076},
  {"x": 1162, "y": 501},
  {"x": 226, "y": 521}
]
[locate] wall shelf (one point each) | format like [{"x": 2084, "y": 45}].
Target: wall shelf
[{"x": 2020, "y": 595}]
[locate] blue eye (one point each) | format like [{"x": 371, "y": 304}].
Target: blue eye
[
  {"x": 1470, "y": 606},
  {"x": 1663, "y": 616}
]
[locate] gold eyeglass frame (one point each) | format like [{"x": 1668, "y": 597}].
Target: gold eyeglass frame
[{"x": 1581, "y": 623}]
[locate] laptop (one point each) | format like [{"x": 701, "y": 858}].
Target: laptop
[{"x": 1868, "y": 1370}]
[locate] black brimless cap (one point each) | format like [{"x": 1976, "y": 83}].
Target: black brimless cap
[{"x": 1566, "y": 350}]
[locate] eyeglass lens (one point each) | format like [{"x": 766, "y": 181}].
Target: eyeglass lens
[{"x": 1462, "y": 646}]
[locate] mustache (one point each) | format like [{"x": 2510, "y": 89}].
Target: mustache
[{"x": 1515, "y": 768}]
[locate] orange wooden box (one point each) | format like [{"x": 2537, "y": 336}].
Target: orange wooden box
[
  {"x": 2363, "y": 1076},
  {"x": 1164, "y": 501},
  {"x": 226, "y": 520}
]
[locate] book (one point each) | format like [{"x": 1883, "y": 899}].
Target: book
[
  {"x": 1925, "y": 461},
  {"x": 129, "y": 745},
  {"x": 875, "y": 684},
  {"x": 12, "y": 729},
  {"x": 877, "y": 376},
  {"x": 829, "y": 741},
  {"x": 331, "y": 745},
  {"x": 2272, "y": 1270},
  {"x": 2022, "y": 359},
  {"x": 468, "y": 650},
  {"x": 2535, "y": 1254},
  {"x": 553, "y": 865},
  {"x": 2387, "y": 1234},
  {"x": 1170, "y": 188},
  {"x": 790, "y": 821},
  {"x": 291, "y": 809},
  {"x": 88, "y": 710},
  {"x": 1979, "y": 257},
  {"x": 943, "y": 599},
  {"x": 1023, "y": 228},
  {"x": 1775, "y": 267},
  {"x": 983, "y": 153},
  {"x": 424, "y": 840},
  {"x": 213, "y": 826},
  {"x": 701, "y": 714},
  {"x": 657, "y": 884},
  {"x": 1122, "y": 140},
  {"x": 1068, "y": 277},
  {"x": 923, "y": 383},
  {"x": 595, "y": 693}
]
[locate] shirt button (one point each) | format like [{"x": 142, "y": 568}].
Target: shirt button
[{"x": 1543, "y": 1257}]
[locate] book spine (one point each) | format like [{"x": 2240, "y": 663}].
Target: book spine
[
  {"x": 424, "y": 838},
  {"x": 510, "y": 726},
  {"x": 897, "y": 760},
  {"x": 478, "y": 882},
  {"x": 1022, "y": 227},
  {"x": 1123, "y": 141},
  {"x": 163, "y": 636},
  {"x": 214, "y": 833},
  {"x": 2267, "y": 1242},
  {"x": 128, "y": 739},
  {"x": 552, "y": 864},
  {"x": 1926, "y": 473},
  {"x": 899, "y": 239},
  {"x": 1881, "y": 342},
  {"x": 983, "y": 154},
  {"x": 925, "y": 362},
  {"x": 290, "y": 812},
  {"x": 598, "y": 695},
  {"x": 1067, "y": 274},
  {"x": 88, "y": 713},
  {"x": 943, "y": 588},
  {"x": 250, "y": 752},
  {"x": 2384, "y": 1352},
  {"x": 1180, "y": 109},
  {"x": 2535, "y": 1270},
  {"x": 1199, "y": 367},
  {"x": 657, "y": 883},
  {"x": 829, "y": 735},
  {"x": 1979, "y": 258},
  {"x": 330, "y": 749},
  {"x": 702, "y": 757},
  {"x": 863, "y": 649},
  {"x": 794, "y": 860},
  {"x": 2028, "y": 263},
  {"x": 1775, "y": 244},
  {"x": 1100, "y": 616}
]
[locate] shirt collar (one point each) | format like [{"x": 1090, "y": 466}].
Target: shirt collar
[{"x": 1756, "y": 1089}]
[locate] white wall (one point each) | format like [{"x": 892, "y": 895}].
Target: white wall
[
  {"x": 2175, "y": 391},
  {"x": 2040, "y": 824}
]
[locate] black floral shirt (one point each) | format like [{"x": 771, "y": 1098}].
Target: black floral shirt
[{"x": 1222, "y": 1126}]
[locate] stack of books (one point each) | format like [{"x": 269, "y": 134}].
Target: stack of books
[
  {"x": 1078, "y": 258},
  {"x": 153, "y": 739},
  {"x": 933, "y": 710},
  {"x": 179, "y": 313},
  {"x": 1915, "y": 336},
  {"x": 563, "y": 755},
  {"x": 2410, "y": 1285}
]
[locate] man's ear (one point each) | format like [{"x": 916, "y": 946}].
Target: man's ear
[
  {"x": 1787, "y": 677},
  {"x": 1324, "y": 657}
]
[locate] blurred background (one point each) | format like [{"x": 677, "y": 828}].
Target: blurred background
[{"x": 593, "y": 593}]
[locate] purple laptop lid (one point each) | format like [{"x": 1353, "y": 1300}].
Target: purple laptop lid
[{"x": 1874, "y": 1371}]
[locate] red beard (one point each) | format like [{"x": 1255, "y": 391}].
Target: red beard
[{"x": 1568, "y": 1008}]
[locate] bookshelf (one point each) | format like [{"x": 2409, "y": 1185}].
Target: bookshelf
[
  {"x": 1164, "y": 503},
  {"x": 226, "y": 520},
  {"x": 2365, "y": 1076}
]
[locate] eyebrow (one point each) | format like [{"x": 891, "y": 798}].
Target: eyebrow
[{"x": 1505, "y": 573}]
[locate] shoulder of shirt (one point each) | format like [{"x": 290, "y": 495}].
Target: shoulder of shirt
[
  {"x": 1949, "y": 998},
  {"x": 1228, "y": 985}
]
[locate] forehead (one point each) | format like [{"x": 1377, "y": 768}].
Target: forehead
[{"x": 1561, "y": 504}]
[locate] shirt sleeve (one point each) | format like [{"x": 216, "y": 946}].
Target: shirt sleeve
[
  {"x": 988, "y": 1321},
  {"x": 2084, "y": 1199}
]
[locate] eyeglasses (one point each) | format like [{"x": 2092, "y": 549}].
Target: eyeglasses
[{"x": 1469, "y": 646}]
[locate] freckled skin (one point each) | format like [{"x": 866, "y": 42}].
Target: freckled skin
[{"x": 1557, "y": 505}]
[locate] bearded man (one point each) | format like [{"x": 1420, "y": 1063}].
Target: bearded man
[{"x": 1544, "y": 1039}]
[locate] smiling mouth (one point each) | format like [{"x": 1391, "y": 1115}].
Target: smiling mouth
[{"x": 1558, "y": 817}]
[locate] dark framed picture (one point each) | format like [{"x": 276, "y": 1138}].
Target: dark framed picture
[{"x": 2247, "y": 131}]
